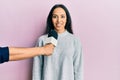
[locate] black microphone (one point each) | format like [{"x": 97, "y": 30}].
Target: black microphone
[{"x": 52, "y": 37}]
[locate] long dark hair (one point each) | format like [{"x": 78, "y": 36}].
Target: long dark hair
[{"x": 49, "y": 23}]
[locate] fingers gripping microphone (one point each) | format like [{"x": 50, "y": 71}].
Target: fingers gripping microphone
[{"x": 52, "y": 37}]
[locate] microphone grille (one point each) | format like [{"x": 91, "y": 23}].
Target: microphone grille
[{"x": 53, "y": 33}]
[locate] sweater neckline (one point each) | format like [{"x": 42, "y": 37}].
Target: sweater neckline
[{"x": 63, "y": 34}]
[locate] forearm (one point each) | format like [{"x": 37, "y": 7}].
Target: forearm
[
  {"x": 24, "y": 53},
  {"x": 31, "y": 51},
  {"x": 17, "y": 53}
]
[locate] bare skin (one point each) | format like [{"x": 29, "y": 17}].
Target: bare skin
[{"x": 24, "y": 53}]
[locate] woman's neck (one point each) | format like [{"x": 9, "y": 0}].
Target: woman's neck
[{"x": 60, "y": 31}]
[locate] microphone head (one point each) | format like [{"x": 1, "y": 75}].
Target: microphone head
[
  {"x": 52, "y": 37},
  {"x": 53, "y": 33}
]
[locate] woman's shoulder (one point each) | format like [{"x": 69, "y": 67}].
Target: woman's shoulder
[
  {"x": 75, "y": 38},
  {"x": 43, "y": 37}
]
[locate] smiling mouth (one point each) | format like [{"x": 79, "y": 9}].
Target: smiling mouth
[{"x": 58, "y": 25}]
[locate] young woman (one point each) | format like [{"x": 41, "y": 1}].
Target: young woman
[{"x": 66, "y": 62}]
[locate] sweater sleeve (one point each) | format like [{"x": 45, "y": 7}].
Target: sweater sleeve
[
  {"x": 78, "y": 61},
  {"x": 37, "y": 64},
  {"x": 4, "y": 54}
]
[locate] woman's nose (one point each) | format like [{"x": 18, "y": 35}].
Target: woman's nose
[{"x": 58, "y": 19}]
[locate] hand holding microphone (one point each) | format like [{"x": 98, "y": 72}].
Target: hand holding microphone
[
  {"x": 50, "y": 42},
  {"x": 6, "y": 53},
  {"x": 52, "y": 37}
]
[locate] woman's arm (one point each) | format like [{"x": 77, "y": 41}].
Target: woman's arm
[{"x": 78, "y": 61}]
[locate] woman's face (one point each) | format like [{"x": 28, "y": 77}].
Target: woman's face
[{"x": 59, "y": 19}]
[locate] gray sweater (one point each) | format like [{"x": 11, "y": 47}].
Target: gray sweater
[{"x": 64, "y": 64}]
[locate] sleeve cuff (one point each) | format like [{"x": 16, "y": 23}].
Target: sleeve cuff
[{"x": 4, "y": 54}]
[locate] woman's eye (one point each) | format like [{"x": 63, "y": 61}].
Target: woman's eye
[
  {"x": 54, "y": 16},
  {"x": 62, "y": 16}
]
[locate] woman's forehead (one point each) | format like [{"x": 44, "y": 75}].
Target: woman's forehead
[{"x": 59, "y": 11}]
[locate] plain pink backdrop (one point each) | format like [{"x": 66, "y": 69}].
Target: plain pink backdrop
[{"x": 95, "y": 22}]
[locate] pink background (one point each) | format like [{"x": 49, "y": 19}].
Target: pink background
[{"x": 95, "y": 22}]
